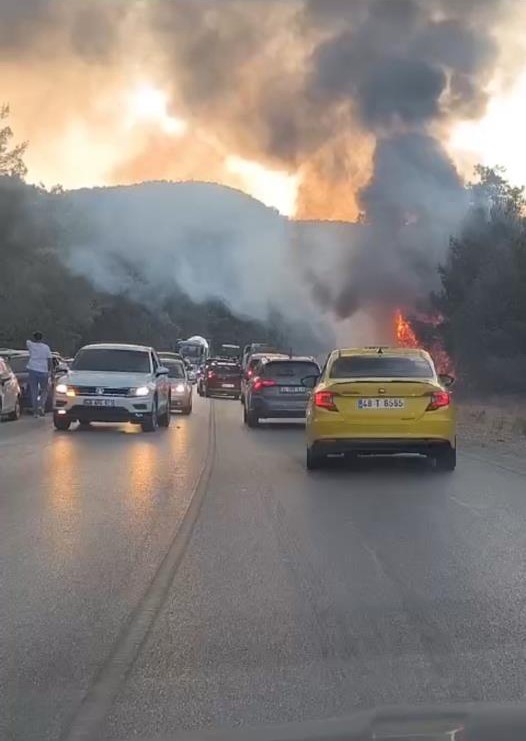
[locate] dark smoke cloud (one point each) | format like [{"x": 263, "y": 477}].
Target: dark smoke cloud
[
  {"x": 313, "y": 86},
  {"x": 407, "y": 68}
]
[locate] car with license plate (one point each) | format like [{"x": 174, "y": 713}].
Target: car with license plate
[
  {"x": 381, "y": 401},
  {"x": 222, "y": 378},
  {"x": 180, "y": 386},
  {"x": 276, "y": 390},
  {"x": 10, "y": 394},
  {"x": 114, "y": 382},
  {"x": 250, "y": 367}
]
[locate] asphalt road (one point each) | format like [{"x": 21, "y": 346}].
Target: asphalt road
[{"x": 279, "y": 595}]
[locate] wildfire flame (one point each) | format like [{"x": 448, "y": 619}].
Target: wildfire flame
[{"x": 405, "y": 337}]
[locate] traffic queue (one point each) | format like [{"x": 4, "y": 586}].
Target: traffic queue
[{"x": 364, "y": 401}]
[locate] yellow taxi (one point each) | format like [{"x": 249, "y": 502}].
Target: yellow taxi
[{"x": 381, "y": 400}]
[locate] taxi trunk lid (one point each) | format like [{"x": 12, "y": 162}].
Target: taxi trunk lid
[{"x": 382, "y": 403}]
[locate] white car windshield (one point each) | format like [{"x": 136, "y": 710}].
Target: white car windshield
[{"x": 112, "y": 360}]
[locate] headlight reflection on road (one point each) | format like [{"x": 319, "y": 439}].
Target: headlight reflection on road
[
  {"x": 142, "y": 465},
  {"x": 63, "y": 479}
]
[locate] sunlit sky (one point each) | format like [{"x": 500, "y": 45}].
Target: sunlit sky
[{"x": 497, "y": 139}]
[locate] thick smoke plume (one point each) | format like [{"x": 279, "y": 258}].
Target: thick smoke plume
[{"x": 355, "y": 97}]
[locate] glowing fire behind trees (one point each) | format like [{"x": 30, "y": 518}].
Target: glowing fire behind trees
[{"x": 405, "y": 336}]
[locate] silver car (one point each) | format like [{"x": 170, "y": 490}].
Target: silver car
[{"x": 180, "y": 385}]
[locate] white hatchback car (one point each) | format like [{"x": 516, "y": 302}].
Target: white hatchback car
[
  {"x": 114, "y": 383},
  {"x": 9, "y": 392}
]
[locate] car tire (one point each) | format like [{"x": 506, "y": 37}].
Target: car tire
[
  {"x": 61, "y": 422},
  {"x": 242, "y": 398},
  {"x": 446, "y": 460},
  {"x": 17, "y": 411},
  {"x": 165, "y": 419},
  {"x": 252, "y": 418},
  {"x": 187, "y": 410},
  {"x": 151, "y": 422},
  {"x": 313, "y": 461},
  {"x": 207, "y": 394}
]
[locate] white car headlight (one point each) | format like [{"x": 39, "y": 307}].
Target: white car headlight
[
  {"x": 61, "y": 388},
  {"x": 141, "y": 391},
  {"x": 178, "y": 388}
]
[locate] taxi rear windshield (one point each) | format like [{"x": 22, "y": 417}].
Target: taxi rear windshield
[{"x": 381, "y": 366}]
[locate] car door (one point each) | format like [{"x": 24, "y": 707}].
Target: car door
[
  {"x": 162, "y": 383},
  {"x": 8, "y": 388}
]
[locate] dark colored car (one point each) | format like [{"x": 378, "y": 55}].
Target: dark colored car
[
  {"x": 18, "y": 360},
  {"x": 250, "y": 368},
  {"x": 222, "y": 379},
  {"x": 276, "y": 391}
]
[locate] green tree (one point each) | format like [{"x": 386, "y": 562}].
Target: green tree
[
  {"x": 11, "y": 156},
  {"x": 483, "y": 287}
]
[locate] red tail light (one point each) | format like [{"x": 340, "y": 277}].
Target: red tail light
[
  {"x": 262, "y": 383},
  {"x": 249, "y": 373},
  {"x": 325, "y": 400},
  {"x": 211, "y": 374},
  {"x": 438, "y": 400}
]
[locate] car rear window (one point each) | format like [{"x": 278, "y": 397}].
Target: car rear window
[
  {"x": 18, "y": 363},
  {"x": 253, "y": 362},
  {"x": 291, "y": 370},
  {"x": 175, "y": 369},
  {"x": 226, "y": 368},
  {"x": 381, "y": 366},
  {"x": 102, "y": 359}
]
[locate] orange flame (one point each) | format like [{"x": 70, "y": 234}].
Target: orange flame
[{"x": 405, "y": 337}]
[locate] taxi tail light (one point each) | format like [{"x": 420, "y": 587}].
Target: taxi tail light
[
  {"x": 262, "y": 383},
  {"x": 325, "y": 400},
  {"x": 439, "y": 399}
]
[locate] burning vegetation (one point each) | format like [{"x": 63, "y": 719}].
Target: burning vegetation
[{"x": 406, "y": 336}]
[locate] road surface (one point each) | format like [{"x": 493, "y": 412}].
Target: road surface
[{"x": 200, "y": 577}]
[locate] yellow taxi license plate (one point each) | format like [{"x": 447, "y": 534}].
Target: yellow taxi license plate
[{"x": 381, "y": 403}]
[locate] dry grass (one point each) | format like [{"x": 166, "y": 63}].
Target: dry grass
[{"x": 497, "y": 421}]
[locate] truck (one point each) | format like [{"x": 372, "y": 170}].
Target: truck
[{"x": 195, "y": 351}]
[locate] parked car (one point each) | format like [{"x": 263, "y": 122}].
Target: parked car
[
  {"x": 181, "y": 388},
  {"x": 18, "y": 360},
  {"x": 222, "y": 379},
  {"x": 276, "y": 389},
  {"x": 10, "y": 395},
  {"x": 114, "y": 383},
  {"x": 251, "y": 365}
]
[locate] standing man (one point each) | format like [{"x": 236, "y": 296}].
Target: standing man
[{"x": 39, "y": 367}]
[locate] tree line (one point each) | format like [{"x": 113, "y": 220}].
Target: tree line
[
  {"x": 481, "y": 302},
  {"x": 38, "y": 291}
]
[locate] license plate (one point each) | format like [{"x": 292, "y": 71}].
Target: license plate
[
  {"x": 99, "y": 402},
  {"x": 389, "y": 403},
  {"x": 292, "y": 390},
  {"x": 227, "y": 385}
]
